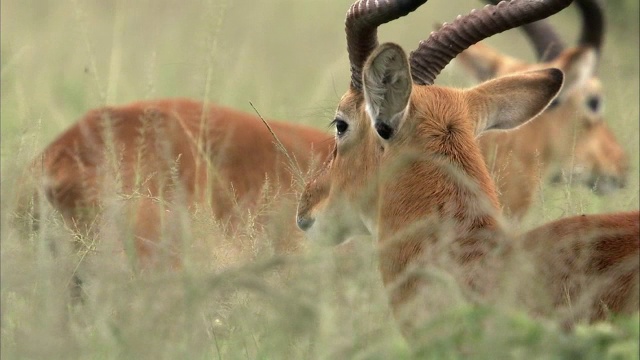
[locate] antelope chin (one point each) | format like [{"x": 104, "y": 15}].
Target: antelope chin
[
  {"x": 334, "y": 233},
  {"x": 600, "y": 184},
  {"x": 605, "y": 184},
  {"x": 577, "y": 175}
]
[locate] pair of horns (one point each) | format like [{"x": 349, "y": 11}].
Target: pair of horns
[
  {"x": 433, "y": 54},
  {"x": 548, "y": 44}
]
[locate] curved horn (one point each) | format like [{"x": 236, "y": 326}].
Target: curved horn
[
  {"x": 546, "y": 41},
  {"x": 361, "y": 26},
  {"x": 593, "y": 23},
  {"x": 433, "y": 54}
]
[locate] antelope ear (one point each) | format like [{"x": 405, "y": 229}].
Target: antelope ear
[
  {"x": 387, "y": 88},
  {"x": 485, "y": 63},
  {"x": 578, "y": 65},
  {"x": 510, "y": 101}
]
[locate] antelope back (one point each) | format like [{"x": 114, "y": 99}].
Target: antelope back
[{"x": 162, "y": 155}]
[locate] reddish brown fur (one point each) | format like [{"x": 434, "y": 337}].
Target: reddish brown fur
[
  {"x": 428, "y": 198},
  {"x": 569, "y": 139},
  {"x": 221, "y": 157},
  {"x": 603, "y": 248}
]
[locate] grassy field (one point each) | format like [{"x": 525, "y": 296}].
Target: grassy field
[{"x": 61, "y": 58}]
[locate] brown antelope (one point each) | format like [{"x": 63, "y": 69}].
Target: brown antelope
[
  {"x": 173, "y": 150},
  {"x": 407, "y": 169},
  {"x": 570, "y": 138}
]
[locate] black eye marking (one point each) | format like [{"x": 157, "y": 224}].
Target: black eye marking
[
  {"x": 385, "y": 131},
  {"x": 341, "y": 126},
  {"x": 593, "y": 103}
]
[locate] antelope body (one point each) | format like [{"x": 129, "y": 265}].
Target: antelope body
[
  {"x": 173, "y": 152},
  {"x": 570, "y": 139},
  {"x": 407, "y": 169}
]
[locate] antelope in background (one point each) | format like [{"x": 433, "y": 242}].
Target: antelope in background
[
  {"x": 570, "y": 140},
  {"x": 408, "y": 170},
  {"x": 163, "y": 154}
]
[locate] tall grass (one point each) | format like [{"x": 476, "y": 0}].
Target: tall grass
[{"x": 235, "y": 298}]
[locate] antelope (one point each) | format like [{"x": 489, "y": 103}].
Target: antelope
[
  {"x": 570, "y": 138},
  {"x": 407, "y": 169},
  {"x": 173, "y": 151}
]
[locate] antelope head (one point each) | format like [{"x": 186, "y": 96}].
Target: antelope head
[
  {"x": 578, "y": 143},
  {"x": 406, "y": 149}
]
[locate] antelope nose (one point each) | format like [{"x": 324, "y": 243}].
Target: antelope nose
[{"x": 304, "y": 223}]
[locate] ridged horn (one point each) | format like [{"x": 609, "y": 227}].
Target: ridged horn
[
  {"x": 361, "y": 26},
  {"x": 433, "y": 54},
  {"x": 546, "y": 41}
]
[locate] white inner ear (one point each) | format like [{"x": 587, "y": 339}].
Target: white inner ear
[
  {"x": 387, "y": 85},
  {"x": 510, "y": 101},
  {"x": 371, "y": 111}
]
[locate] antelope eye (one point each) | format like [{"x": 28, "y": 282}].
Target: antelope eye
[
  {"x": 594, "y": 103},
  {"x": 341, "y": 126}
]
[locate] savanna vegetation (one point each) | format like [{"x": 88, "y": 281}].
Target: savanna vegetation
[{"x": 234, "y": 297}]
